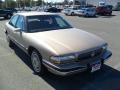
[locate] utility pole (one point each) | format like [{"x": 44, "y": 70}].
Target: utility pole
[
  {"x": 73, "y": 3},
  {"x": 31, "y": 3},
  {"x": 6, "y": 3},
  {"x": 24, "y": 3},
  {"x": 1, "y": 4},
  {"x": 43, "y": 4},
  {"x": 17, "y": 2}
]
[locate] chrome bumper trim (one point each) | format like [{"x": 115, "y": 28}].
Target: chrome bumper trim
[{"x": 63, "y": 72}]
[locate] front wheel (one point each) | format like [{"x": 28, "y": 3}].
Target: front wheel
[{"x": 37, "y": 65}]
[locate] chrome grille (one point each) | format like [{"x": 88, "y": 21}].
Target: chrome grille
[{"x": 91, "y": 54}]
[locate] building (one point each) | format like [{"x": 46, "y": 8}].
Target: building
[
  {"x": 81, "y": 2},
  {"x": 96, "y": 2}
]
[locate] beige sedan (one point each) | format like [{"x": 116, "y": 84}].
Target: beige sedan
[{"x": 54, "y": 45}]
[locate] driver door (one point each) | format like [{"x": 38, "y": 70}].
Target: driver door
[{"x": 20, "y": 26}]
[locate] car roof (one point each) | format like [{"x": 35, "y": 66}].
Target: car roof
[
  {"x": 89, "y": 8},
  {"x": 35, "y": 13}
]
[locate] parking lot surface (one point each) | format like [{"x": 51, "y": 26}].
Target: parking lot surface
[{"x": 16, "y": 72}]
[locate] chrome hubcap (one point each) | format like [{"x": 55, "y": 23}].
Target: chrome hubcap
[
  {"x": 36, "y": 62},
  {"x": 9, "y": 16}
]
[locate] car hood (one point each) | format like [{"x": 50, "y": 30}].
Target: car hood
[{"x": 66, "y": 41}]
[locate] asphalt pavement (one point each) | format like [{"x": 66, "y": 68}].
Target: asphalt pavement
[{"x": 16, "y": 72}]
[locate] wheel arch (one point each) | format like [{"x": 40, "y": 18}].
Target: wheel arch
[
  {"x": 31, "y": 48},
  {"x": 6, "y": 32}
]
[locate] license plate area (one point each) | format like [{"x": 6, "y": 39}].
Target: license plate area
[{"x": 95, "y": 66}]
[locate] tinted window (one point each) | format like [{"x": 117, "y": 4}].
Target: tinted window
[
  {"x": 74, "y": 8},
  {"x": 60, "y": 22},
  {"x": 46, "y": 22},
  {"x": 13, "y": 20},
  {"x": 88, "y": 10},
  {"x": 1, "y": 11},
  {"x": 20, "y": 22}
]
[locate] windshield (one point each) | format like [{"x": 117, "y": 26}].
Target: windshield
[{"x": 46, "y": 22}]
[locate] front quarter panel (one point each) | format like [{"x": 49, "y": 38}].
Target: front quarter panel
[{"x": 45, "y": 50}]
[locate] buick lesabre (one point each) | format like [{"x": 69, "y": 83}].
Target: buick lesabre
[{"x": 53, "y": 44}]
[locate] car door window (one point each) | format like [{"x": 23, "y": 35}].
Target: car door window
[
  {"x": 13, "y": 20},
  {"x": 74, "y": 8},
  {"x": 0, "y": 11},
  {"x": 60, "y": 22},
  {"x": 20, "y": 23}
]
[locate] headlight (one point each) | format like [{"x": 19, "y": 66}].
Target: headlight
[
  {"x": 105, "y": 47},
  {"x": 62, "y": 59}
]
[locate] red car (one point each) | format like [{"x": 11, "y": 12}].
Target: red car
[{"x": 104, "y": 10}]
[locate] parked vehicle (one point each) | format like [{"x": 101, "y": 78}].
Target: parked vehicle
[
  {"x": 53, "y": 44},
  {"x": 70, "y": 11},
  {"x": 12, "y": 9},
  {"x": 27, "y": 8},
  {"x": 104, "y": 10},
  {"x": 6, "y": 13},
  {"x": 87, "y": 12},
  {"x": 117, "y": 7},
  {"x": 53, "y": 9}
]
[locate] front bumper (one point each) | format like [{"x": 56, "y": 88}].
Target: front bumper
[{"x": 77, "y": 67}]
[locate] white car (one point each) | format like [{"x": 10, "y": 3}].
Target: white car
[
  {"x": 86, "y": 12},
  {"x": 70, "y": 11}
]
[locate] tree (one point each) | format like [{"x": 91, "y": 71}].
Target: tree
[
  {"x": 9, "y": 3},
  {"x": 39, "y": 2},
  {"x": 66, "y": 2},
  {"x": 71, "y": 3},
  {"x": 1, "y": 3}
]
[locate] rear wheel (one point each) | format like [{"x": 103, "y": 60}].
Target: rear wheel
[
  {"x": 94, "y": 15},
  {"x": 37, "y": 65},
  {"x": 110, "y": 14},
  {"x": 66, "y": 14},
  {"x": 86, "y": 15},
  {"x": 8, "y": 16},
  {"x": 72, "y": 13}
]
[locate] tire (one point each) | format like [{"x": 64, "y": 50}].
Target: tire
[
  {"x": 66, "y": 14},
  {"x": 10, "y": 43},
  {"x": 110, "y": 14},
  {"x": 8, "y": 16},
  {"x": 87, "y": 15},
  {"x": 36, "y": 61},
  {"x": 72, "y": 14},
  {"x": 94, "y": 16}
]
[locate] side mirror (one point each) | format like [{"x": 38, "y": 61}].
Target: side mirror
[{"x": 17, "y": 30}]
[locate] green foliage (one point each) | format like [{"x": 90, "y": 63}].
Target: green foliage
[
  {"x": 9, "y": 3},
  {"x": 23, "y": 3},
  {"x": 66, "y": 1},
  {"x": 39, "y": 2},
  {"x": 0, "y": 3}
]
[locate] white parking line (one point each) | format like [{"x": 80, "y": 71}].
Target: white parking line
[{"x": 9, "y": 54}]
